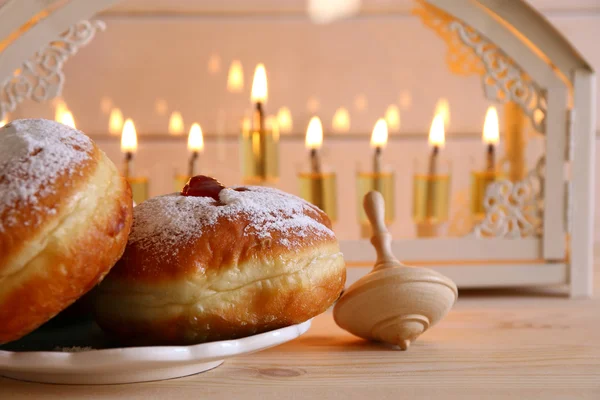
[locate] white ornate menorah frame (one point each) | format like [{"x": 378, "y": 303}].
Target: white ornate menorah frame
[{"x": 536, "y": 232}]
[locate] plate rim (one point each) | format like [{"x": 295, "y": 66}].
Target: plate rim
[{"x": 218, "y": 350}]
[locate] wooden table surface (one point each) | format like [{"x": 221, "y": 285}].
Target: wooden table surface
[{"x": 493, "y": 344}]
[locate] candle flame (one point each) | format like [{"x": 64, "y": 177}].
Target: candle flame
[
  {"x": 284, "y": 120},
  {"x": 115, "y": 121},
  {"x": 176, "y": 123},
  {"x": 314, "y": 134},
  {"x": 3, "y": 122},
  {"x": 491, "y": 129},
  {"x": 259, "y": 85},
  {"x": 67, "y": 119},
  {"x": 128, "y": 137},
  {"x": 61, "y": 108},
  {"x": 341, "y": 120},
  {"x": 379, "y": 137},
  {"x": 63, "y": 115},
  {"x": 195, "y": 138},
  {"x": 436, "y": 133},
  {"x": 235, "y": 78},
  {"x": 443, "y": 107},
  {"x": 392, "y": 117}
]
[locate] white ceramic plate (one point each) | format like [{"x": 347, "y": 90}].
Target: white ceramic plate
[{"x": 47, "y": 356}]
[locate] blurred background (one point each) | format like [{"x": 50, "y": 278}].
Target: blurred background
[{"x": 169, "y": 64}]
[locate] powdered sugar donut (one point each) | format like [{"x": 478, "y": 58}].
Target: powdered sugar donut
[
  {"x": 65, "y": 214},
  {"x": 220, "y": 263}
]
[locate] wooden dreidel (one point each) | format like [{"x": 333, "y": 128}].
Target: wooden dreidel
[{"x": 394, "y": 303}]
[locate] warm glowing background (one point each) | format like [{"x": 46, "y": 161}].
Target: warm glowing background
[{"x": 168, "y": 64}]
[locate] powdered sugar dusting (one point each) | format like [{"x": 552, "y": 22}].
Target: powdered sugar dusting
[
  {"x": 169, "y": 220},
  {"x": 33, "y": 153}
]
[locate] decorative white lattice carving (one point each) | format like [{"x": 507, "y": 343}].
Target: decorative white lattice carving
[
  {"x": 503, "y": 80},
  {"x": 514, "y": 210},
  {"x": 469, "y": 52},
  {"x": 41, "y": 78},
  {"x": 460, "y": 59}
]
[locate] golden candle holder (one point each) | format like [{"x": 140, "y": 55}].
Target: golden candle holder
[
  {"x": 431, "y": 200},
  {"x": 479, "y": 183},
  {"x": 139, "y": 188},
  {"x": 382, "y": 182},
  {"x": 260, "y": 157},
  {"x": 320, "y": 189}
]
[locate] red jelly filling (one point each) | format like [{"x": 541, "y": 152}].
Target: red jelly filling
[{"x": 203, "y": 186}]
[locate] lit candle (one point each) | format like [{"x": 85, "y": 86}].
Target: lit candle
[
  {"x": 63, "y": 115},
  {"x": 431, "y": 185},
  {"x": 67, "y": 119},
  {"x": 235, "y": 77},
  {"x": 341, "y": 120},
  {"x": 442, "y": 108},
  {"x": 195, "y": 146},
  {"x": 259, "y": 96},
  {"x": 176, "y": 126},
  {"x": 128, "y": 145},
  {"x": 3, "y": 122},
  {"x": 284, "y": 120},
  {"x": 392, "y": 117},
  {"x": 491, "y": 136},
  {"x": 314, "y": 141},
  {"x": 436, "y": 141},
  {"x": 379, "y": 139},
  {"x": 481, "y": 180},
  {"x": 61, "y": 108},
  {"x": 115, "y": 121}
]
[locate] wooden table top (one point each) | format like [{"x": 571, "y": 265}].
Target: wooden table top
[{"x": 493, "y": 344}]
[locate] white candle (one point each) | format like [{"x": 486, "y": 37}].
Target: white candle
[
  {"x": 128, "y": 145},
  {"x": 314, "y": 141},
  {"x": 491, "y": 136},
  {"x": 195, "y": 146},
  {"x": 379, "y": 139}
]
